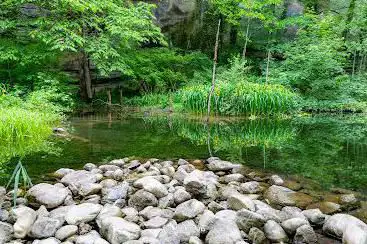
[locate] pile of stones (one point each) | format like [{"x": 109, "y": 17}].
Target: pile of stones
[{"x": 215, "y": 202}]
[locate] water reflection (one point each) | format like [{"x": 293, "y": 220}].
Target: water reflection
[{"x": 329, "y": 150}]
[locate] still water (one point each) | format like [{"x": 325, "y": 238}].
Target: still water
[{"x": 328, "y": 150}]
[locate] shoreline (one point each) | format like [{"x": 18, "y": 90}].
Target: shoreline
[{"x": 212, "y": 201}]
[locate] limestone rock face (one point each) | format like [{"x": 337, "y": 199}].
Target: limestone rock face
[
  {"x": 48, "y": 195},
  {"x": 117, "y": 230},
  {"x": 82, "y": 213}
]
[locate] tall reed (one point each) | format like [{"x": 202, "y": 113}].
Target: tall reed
[{"x": 240, "y": 98}]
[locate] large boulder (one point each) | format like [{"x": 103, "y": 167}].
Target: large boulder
[
  {"x": 152, "y": 185},
  {"x": 339, "y": 224},
  {"x": 48, "y": 195},
  {"x": 282, "y": 196},
  {"x": 25, "y": 218},
  {"x": 188, "y": 210},
  {"x": 6, "y": 232},
  {"x": 117, "y": 230},
  {"x": 82, "y": 213}
]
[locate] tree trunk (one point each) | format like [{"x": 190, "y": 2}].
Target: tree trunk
[
  {"x": 246, "y": 41},
  {"x": 267, "y": 66},
  {"x": 85, "y": 78},
  {"x": 215, "y": 59}
]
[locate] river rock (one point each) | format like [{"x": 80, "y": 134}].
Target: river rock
[
  {"x": 6, "y": 232},
  {"x": 87, "y": 189},
  {"x": 112, "y": 194},
  {"x": 181, "y": 195},
  {"x": 314, "y": 216},
  {"x": 169, "y": 235},
  {"x": 276, "y": 180},
  {"x": 51, "y": 240},
  {"x": 274, "y": 232},
  {"x": 355, "y": 235},
  {"x": 220, "y": 165},
  {"x": 232, "y": 177},
  {"x": 48, "y": 195},
  {"x": 117, "y": 230},
  {"x": 59, "y": 213},
  {"x": 338, "y": 224},
  {"x": 188, "y": 210},
  {"x": 186, "y": 229},
  {"x": 117, "y": 162},
  {"x": 44, "y": 227},
  {"x": 283, "y": 196},
  {"x": 82, "y": 213},
  {"x": 251, "y": 187},
  {"x": 305, "y": 235},
  {"x": 197, "y": 181},
  {"x": 25, "y": 218},
  {"x": 152, "y": 185},
  {"x": 246, "y": 219},
  {"x": 195, "y": 240},
  {"x": 326, "y": 207},
  {"x": 206, "y": 221},
  {"x": 66, "y": 231},
  {"x": 89, "y": 238},
  {"x": 348, "y": 199},
  {"x": 107, "y": 211},
  {"x": 79, "y": 177},
  {"x": 291, "y": 225},
  {"x": 62, "y": 172},
  {"x": 256, "y": 236},
  {"x": 130, "y": 214},
  {"x": 142, "y": 199},
  {"x": 155, "y": 222},
  {"x": 224, "y": 230},
  {"x": 89, "y": 166},
  {"x": 240, "y": 201}
]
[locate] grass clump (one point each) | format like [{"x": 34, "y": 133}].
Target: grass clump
[{"x": 240, "y": 98}]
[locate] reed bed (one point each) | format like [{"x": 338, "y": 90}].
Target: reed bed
[
  {"x": 23, "y": 131},
  {"x": 241, "y": 98}
]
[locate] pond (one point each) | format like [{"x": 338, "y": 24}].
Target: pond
[{"x": 328, "y": 150}]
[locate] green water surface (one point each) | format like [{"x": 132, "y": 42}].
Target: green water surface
[{"x": 330, "y": 150}]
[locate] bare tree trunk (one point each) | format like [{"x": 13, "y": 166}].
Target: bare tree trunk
[
  {"x": 246, "y": 41},
  {"x": 121, "y": 100},
  {"x": 267, "y": 66},
  {"x": 354, "y": 64},
  {"x": 85, "y": 78},
  {"x": 215, "y": 60}
]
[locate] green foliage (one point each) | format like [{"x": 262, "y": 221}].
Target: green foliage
[
  {"x": 162, "y": 69},
  {"x": 314, "y": 63},
  {"x": 103, "y": 30}
]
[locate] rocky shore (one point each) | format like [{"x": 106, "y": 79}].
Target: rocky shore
[{"x": 152, "y": 202}]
